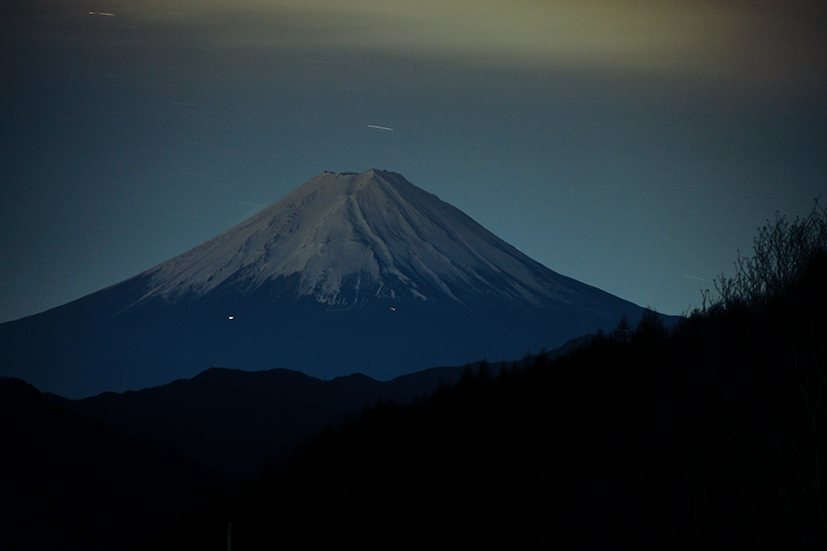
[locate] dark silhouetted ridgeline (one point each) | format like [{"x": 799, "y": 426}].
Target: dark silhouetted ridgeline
[{"x": 234, "y": 421}]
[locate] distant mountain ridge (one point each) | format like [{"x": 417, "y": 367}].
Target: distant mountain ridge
[
  {"x": 349, "y": 273},
  {"x": 233, "y": 421}
]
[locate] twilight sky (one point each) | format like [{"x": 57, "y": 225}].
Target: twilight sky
[{"x": 634, "y": 145}]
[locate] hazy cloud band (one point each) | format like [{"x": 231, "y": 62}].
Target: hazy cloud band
[{"x": 767, "y": 41}]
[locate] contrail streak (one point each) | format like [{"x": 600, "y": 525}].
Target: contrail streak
[{"x": 380, "y": 127}]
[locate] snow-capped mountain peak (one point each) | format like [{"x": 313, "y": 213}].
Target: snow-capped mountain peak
[{"x": 346, "y": 238}]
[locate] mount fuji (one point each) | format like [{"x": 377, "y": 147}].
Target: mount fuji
[{"x": 348, "y": 273}]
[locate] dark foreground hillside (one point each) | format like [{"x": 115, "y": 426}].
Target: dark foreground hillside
[
  {"x": 68, "y": 482},
  {"x": 711, "y": 437}
]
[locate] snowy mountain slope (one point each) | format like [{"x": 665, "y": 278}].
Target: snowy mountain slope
[
  {"x": 351, "y": 237},
  {"x": 348, "y": 273}
]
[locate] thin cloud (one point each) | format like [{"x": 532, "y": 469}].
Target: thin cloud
[{"x": 711, "y": 38}]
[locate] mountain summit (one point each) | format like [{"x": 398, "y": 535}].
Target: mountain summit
[
  {"x": 348, "y": 273},
  {"x": 345, "y": 239}
]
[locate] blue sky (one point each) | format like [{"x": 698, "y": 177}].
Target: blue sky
[{"x": 633, "y": 145}]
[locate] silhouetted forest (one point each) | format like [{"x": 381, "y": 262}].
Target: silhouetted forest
[{"x": 708, "y": 435}]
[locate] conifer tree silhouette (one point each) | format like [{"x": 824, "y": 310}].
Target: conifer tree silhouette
[{"x": 623, "y": 330}]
